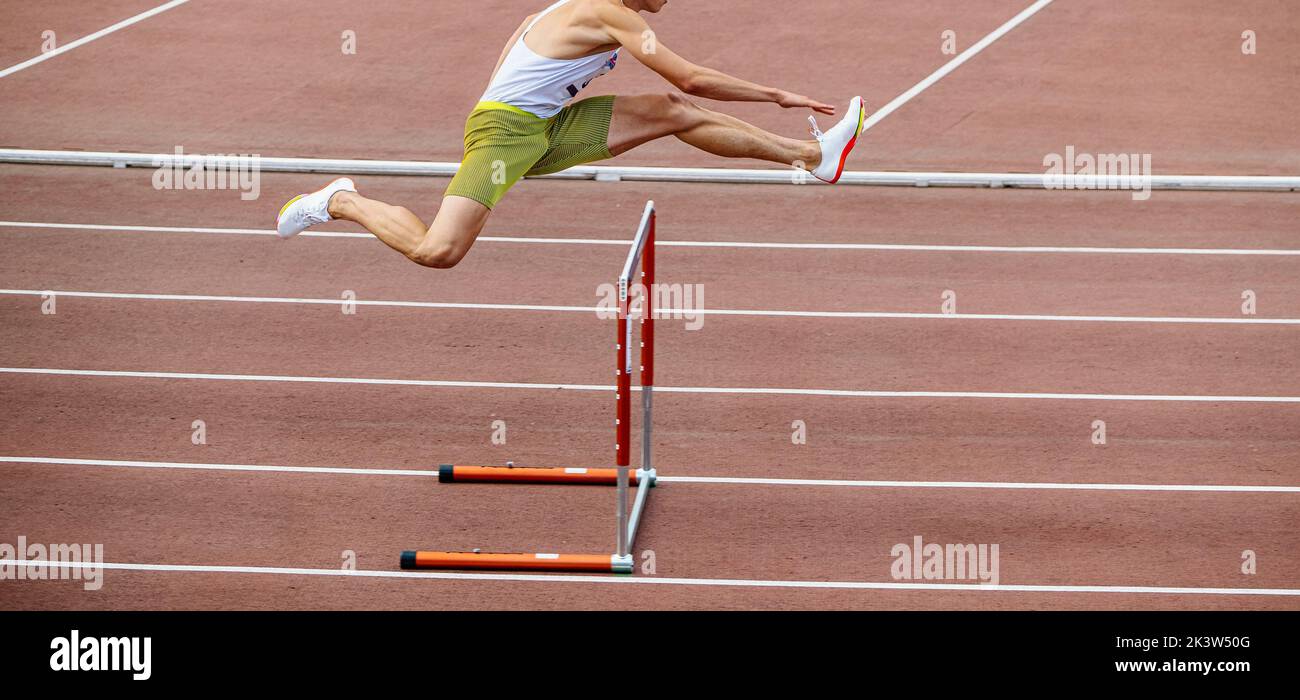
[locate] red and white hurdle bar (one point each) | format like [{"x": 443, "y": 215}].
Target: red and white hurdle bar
[{"x": 641, "y": 257}]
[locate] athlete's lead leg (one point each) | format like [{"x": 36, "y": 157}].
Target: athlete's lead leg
[{"x": 644, "y": 118}]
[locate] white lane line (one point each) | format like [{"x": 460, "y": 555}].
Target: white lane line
[
  {"x": 734, "y": 481},
  {"x": 672, "y": 312},
  {"x": 305, "y": 301},
  {"x": 955, "y": 63},
  {"x": 689, "y": 244},
  {"x": 197, "y": 229},
  {"x": 446, "y": 384},
  {"x": 90, "y": 37},
  {"x": 208, "y": 466},
  {"x": 649, "y": 580},
  {"x": 974, "y": 248},
  {"x": 1000, "y": 485},
  {"x": 756, "y": 391}
]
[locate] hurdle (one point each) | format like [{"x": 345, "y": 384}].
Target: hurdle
[{"x": 641, "y": 258}]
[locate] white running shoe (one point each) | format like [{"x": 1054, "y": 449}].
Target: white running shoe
[
  {"x": 307, "y": 210},
  {"x": 838, "y": 142}
]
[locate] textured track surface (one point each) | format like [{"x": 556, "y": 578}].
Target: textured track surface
[{"x": 1067, "y": 76}]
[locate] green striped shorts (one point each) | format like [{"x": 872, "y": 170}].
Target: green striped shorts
[{"x": 504, "y": 143}]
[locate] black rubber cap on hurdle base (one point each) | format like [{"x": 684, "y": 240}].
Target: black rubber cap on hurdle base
[
  {"x": 408, "y": 560},
  {"x": 446, "y": 474}
]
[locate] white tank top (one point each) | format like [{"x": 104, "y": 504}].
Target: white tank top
[{"x": 540, "y": 85}]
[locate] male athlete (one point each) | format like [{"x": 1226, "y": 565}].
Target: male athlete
[{"x": 524, "y": 125}]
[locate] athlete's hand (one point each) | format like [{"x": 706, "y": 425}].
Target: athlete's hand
[{"x": 789, "y": 100}]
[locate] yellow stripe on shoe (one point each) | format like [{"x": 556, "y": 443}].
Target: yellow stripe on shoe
[{"x": 287, "y": 205}]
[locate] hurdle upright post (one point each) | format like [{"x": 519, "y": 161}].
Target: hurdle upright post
[
  {"x": 646, "y": 476},
  {"x": 648, "y": 343},
  {"x": 641, "y": 256},
  {"x": 623, "y": 420}
]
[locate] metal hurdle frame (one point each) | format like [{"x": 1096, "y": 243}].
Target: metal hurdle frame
[{"x": 642, "y": 257}]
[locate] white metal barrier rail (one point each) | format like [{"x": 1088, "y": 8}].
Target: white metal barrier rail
[{"x": 335, "y": 166}]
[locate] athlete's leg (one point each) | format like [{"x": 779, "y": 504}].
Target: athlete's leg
[
  {"x": 500, "y": 147},
  {"x": 644, "y": 118},
  {"x": 442, "y": 244}
]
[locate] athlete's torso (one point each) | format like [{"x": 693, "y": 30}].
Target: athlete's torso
[{"x": 541, "y": 85}]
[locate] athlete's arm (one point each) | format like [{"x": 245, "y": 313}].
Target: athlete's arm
[{"x": 631, "y": 31}]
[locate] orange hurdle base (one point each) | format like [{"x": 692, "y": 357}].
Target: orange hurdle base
[
  {"x": 449, "y": 473},
  {"x": 595, "y": 563}
]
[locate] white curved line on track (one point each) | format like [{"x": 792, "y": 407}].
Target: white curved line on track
[
  {"x": 954, "y": 64},
  {"x": 652, "y": 581},
  {"x": 90, "y": 37},
  {"x": 734, "y": 481},
  {"x": 674, "y": 312},
  {"x": 684, "y": 244},
  {"x": 765, "y": 391}
]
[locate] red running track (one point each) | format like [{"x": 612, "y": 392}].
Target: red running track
[{"x": 699, "y": 532}]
